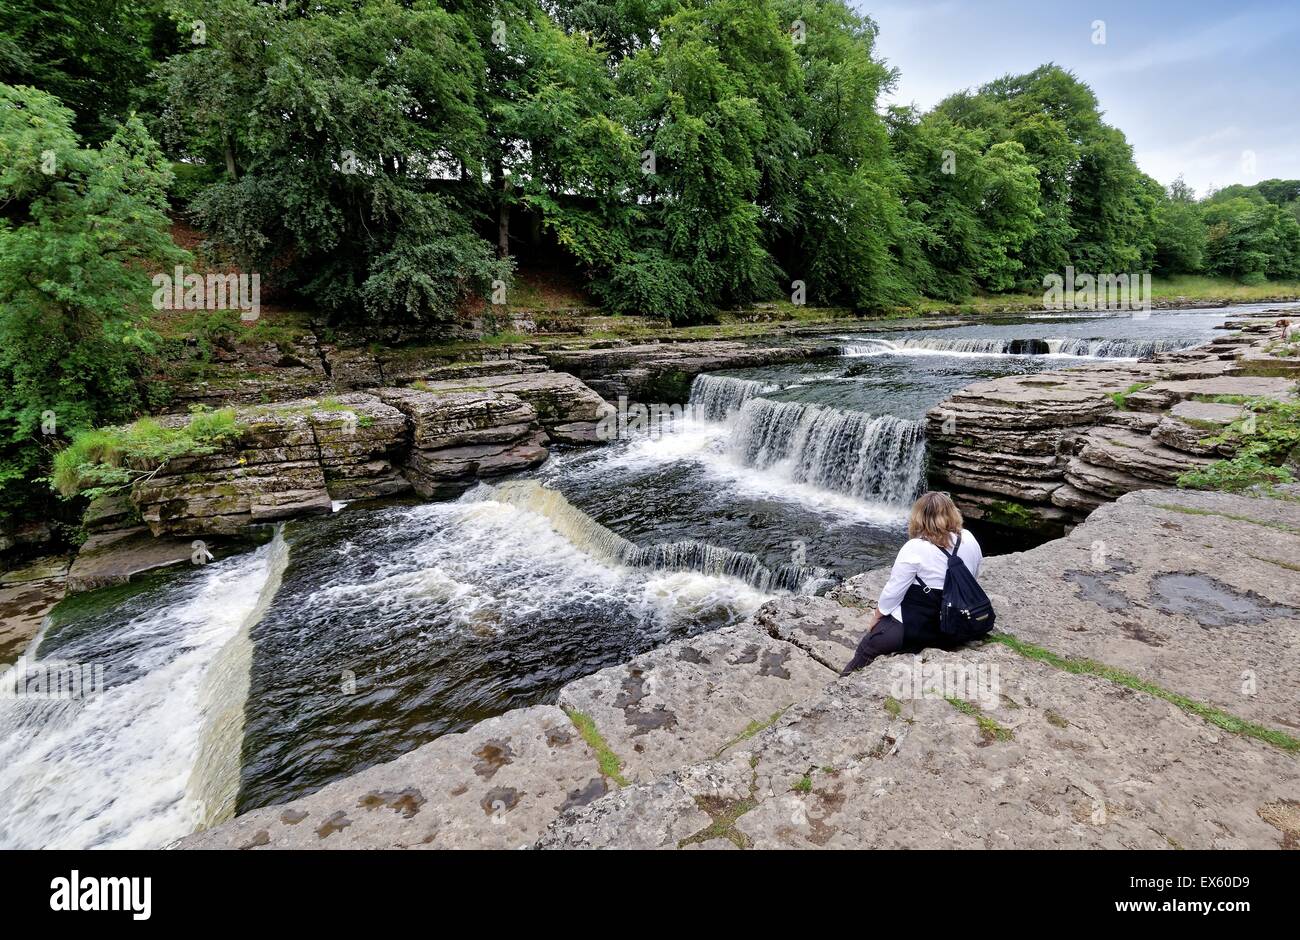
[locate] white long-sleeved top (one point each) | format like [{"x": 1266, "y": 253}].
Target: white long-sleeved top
[{"x": 919, "y": 557}]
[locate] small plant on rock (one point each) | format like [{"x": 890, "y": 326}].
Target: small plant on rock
[
  {"x": 107, "y": 460},
  {"x": 1265, "y": 440}
]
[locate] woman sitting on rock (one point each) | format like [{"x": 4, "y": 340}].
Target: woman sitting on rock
[{"x": 908, "y": 612}]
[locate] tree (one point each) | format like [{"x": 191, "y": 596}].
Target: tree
[
  {"x": 842, "y": 229},
  {"x": 1097, "y": 209},
  {"x": 82, "y": 230},
  {"x": 978, "y": 204},
  {"x": 356, "y": 153},
  {"x": 702, "y": 245},
  {"x": 1242, "y": 241},
  {"x": 558, "y": 149},
  {"x": 1180, "y": 231},
  {"x": 93, "y": 55}
]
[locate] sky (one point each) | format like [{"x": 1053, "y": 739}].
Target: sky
[{"x": 1207, "y": 90}]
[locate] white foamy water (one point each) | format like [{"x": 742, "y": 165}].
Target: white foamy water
[
  {"x": 980, "y": 347},
  {"x": 507, "y": 552},
  {"x": 113, "y": 771}
]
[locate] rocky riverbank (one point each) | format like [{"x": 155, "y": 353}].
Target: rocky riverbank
[
  {"x": 1131, "y": 699},
  {"x": 1046, "y": 449},
  {"x": 448, "y": 426}
]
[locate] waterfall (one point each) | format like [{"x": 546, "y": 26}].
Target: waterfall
[
  {"x": 870, "y": 347},
  {"x": 214, "y": 781},
  {"x": 110, "y": 770},
  {"x": 975, "y": 346},
  {"x": 687, "y": 555},
  {"x": 584, "y": 532},
  {"x": 875, "y": 458},
  {"x": 1121, "y": 348},
  {"x": 715, "y": 397}
]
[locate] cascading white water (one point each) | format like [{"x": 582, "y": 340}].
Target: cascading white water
[
  {"x": 1120, "y": 348},
  {"x": 111, "y": 771},
  {"x": 715, "y": 397},
  {"x": 875, "y": 458},
  {"x": 214, "y": 781},
  {"x": 977, "y": 346},
  {"x": 686, "y": 555},
  {"x": 693, "y": 555},
  {"x": 973, "y": 346}
]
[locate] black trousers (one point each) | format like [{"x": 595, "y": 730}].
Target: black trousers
[
  {"x": 920, "y": 608},
  {"x": 885, "y": 637}
]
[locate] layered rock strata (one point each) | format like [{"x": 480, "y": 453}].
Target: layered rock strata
[
  {"x": 662, "y": 372},
  {"x": 299, "y": 457},
  {"x": 1048, "y": 448}
]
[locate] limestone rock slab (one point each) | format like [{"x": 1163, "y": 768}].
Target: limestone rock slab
[
  {"x": 880, "y": 761},
  {"x": 495, "y": 786},
  {"x": 694, "y": 697}
]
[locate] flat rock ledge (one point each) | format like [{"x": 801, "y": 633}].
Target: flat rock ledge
[
  {"x": 1047, "y": 449},
  {"x": 1138, "y": 695},
  {"x": 299, "y": 457},
  {"x": 27, "y": 594},
  {"x": 501, "y": 783}
]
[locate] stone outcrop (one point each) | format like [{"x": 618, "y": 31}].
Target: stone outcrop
[
  {"x": 359, "y": 368},
  {"x": 460, "y": 436},
  {"x": 1062, "y": 761},
  {"x": 495, "y": 786},
  {"x": 291, "y": 459},
  {"x": 501, "y": 783},
  {"x": 566, "y": 408},
  {"x": 1046, "y": 449},
  {"x": 1139, "y": 695},
  {"x": 27, "y": 594},
  {"x": 299, "y": 457}
]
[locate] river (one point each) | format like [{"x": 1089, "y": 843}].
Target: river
[{"x": 350, "y": 639}]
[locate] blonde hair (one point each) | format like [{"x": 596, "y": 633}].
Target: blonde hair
[{"x": 935, "y": 518}]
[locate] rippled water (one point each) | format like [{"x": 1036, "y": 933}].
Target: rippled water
[{"x": 361, "y": 635}]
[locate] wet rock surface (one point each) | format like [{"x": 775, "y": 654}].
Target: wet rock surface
[
  {"x": 495, "y": 786},
  {"x": 27, "y": 594},
  {"x": 1047, "y": 449}
]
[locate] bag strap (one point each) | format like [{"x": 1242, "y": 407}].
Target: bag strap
[{"x": 953, "y": 553}]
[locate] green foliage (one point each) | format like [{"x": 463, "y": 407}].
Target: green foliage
[
  {"x": 1265, "y": 439},
  {"x": 611, "y": 765},
  {"x": 93, "y": 55},
  {"x": 990, "y": 730},
  {"x": 350, "y": 139},
  {"x": 106, "y": 460},
  {"x": 1121, "y": 398},
  {"x": 1180, "y": 232},
  {"x": 80, "y": 231}
]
